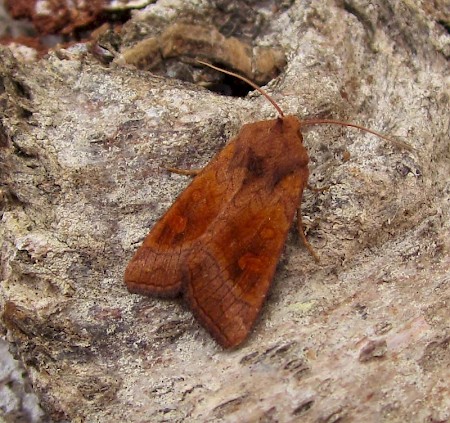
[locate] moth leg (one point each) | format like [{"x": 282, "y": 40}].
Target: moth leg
[
  {"x": 187, "y": 172},
  {"x": 301, "y": 233}
]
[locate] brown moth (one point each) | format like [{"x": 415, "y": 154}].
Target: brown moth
[{"x": 218, "y": 245}]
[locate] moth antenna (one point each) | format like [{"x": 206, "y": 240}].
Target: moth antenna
[
  {"x": 398, "y": 143},
  {"x": 309, "y": 122},
  {"x": 249, "y": 82}
]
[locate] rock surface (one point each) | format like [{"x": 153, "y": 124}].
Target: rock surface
[
  {"x": 362, "y": 336},
  {"x": 18, "y": 403}
]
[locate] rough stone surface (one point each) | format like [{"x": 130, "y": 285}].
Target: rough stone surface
[
  {"x": 362, "y": 336},
  {"x": 18, "y": 403}
]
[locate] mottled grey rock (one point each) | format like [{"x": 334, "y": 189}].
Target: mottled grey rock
[{"x": 18, "y": 403}]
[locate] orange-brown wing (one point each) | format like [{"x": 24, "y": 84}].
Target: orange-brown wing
[
  {"x": 159, "y": 264},
  {"x": 220, "y": 241},
  {"x": 231, "y": 271}
]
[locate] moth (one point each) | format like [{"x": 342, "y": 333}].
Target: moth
[{"x": 218, "y": 245}]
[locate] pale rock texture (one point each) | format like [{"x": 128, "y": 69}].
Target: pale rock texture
[{"x": 362, "y": 336}]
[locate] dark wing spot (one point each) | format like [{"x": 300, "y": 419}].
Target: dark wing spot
[{"x": 255, "y": 164}]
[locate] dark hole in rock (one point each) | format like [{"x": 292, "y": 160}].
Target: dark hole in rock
[{"x": 230, "y": 86}]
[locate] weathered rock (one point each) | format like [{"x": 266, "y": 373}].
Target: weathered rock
[{"x": 362, "y": 336}]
